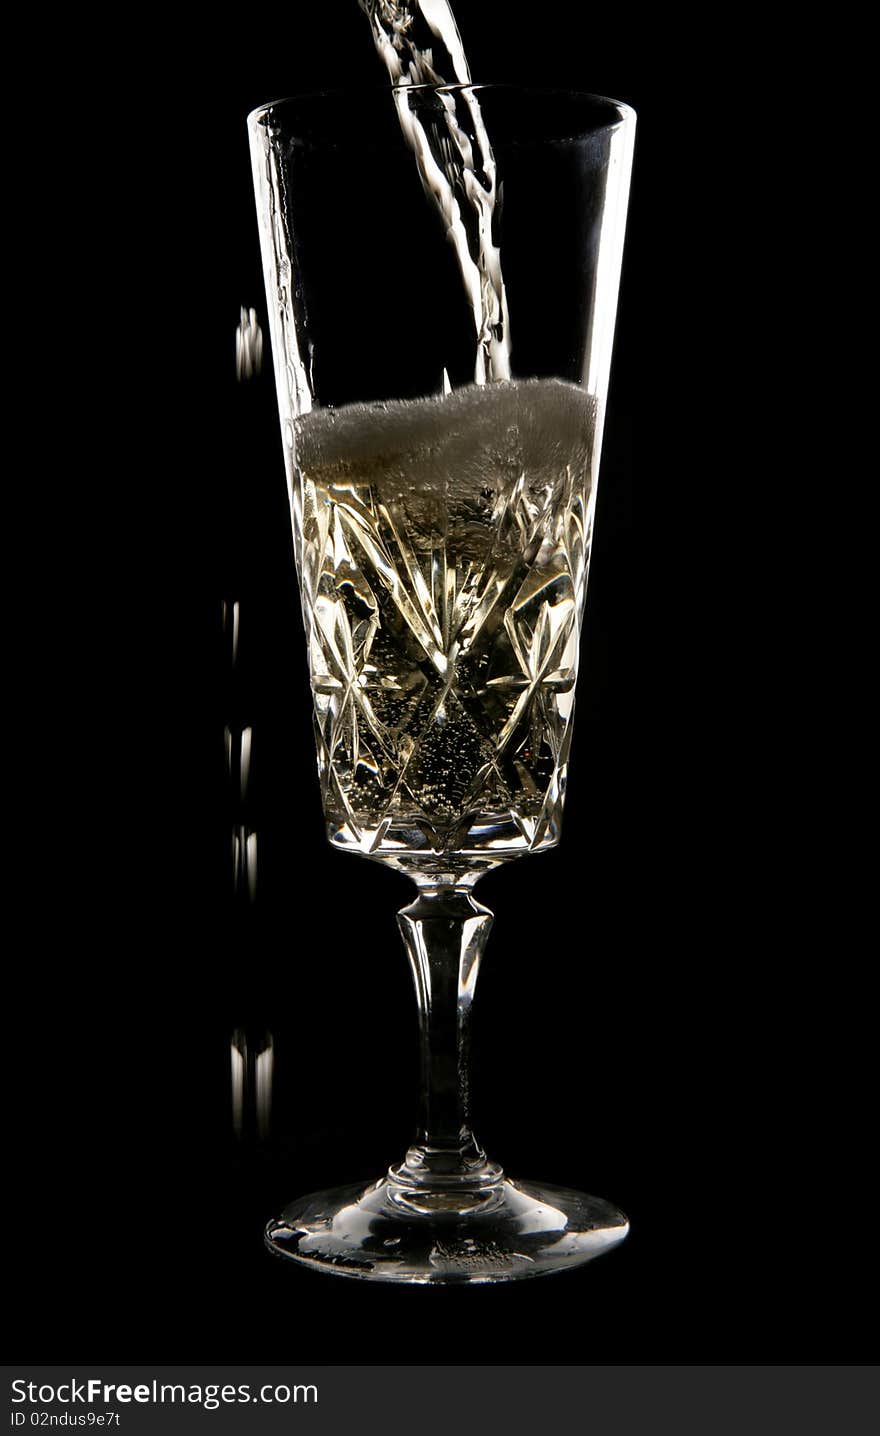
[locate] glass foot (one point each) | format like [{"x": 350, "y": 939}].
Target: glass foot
[{"x": 497, "y": 1232}]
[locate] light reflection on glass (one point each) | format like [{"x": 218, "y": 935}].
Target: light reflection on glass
[
  {"x": 238, "y": 742},
  {"x": 244, "y": 862},
  {"x": 248, "y": 345},
  {"x": 231, "y": 617},
  {"x": 245, "y": 760},
  {"x": 264, "y": 1073},
  {"x": 238, "y": 760},
  {"x": 238, "y": 1080},
  {"x": 252, "y": 1073}
]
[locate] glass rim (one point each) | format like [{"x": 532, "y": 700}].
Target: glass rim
[{"x": 625, "y": 113}]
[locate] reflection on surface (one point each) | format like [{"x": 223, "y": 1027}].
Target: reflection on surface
[
  {"x": 238, "y": 760},
  {"x": 238, "y": 739},
  {"x": 244, "y": 862},
  {"x": 252, "y": 1070},
  {"x": 248, "y": 345},
  {"x": 231, "y": 618}
]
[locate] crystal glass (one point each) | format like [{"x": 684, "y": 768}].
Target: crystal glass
[{"x": 441, "y": 268}]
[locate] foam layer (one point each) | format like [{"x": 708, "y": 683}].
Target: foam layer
[{"x": 535, "y": 426}]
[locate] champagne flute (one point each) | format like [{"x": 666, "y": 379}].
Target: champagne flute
[{"x": 442, "y": 391}]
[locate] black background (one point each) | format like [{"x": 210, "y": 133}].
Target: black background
[{"x": 651, "y": 1024}]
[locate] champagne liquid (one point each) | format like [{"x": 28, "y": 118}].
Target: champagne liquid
[
  {"x": 419, "y": 44},
  {"x": 443, "y": 548}
]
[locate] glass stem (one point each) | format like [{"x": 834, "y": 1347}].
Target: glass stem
[{"x": 444, "y": 932}]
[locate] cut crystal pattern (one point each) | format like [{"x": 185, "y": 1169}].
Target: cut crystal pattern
[{"x": 443, "y": 549}]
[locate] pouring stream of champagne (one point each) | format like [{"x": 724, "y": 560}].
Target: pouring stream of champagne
[{"x": 455, "y": 164}]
